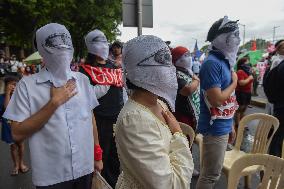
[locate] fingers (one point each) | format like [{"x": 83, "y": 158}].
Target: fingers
[
  {"x": 70, "y": 87},
  {"x": 70, "y": 90},
  {"x": 70, "y": 82},
  {"x": 168, "y": 116},
  {"x": 72, "y": 94}
]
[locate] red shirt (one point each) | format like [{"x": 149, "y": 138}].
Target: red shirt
[{"x": 242, "y": 76}]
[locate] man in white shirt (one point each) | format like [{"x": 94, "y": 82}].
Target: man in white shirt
[
  {"x": 196, "y": 66},
  {"x": 53, "y": 109}
]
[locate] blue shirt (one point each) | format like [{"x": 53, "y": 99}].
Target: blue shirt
[
  {"x": 64, "y": 148},
  {"x": 214, "y": 72},
  {"x": 6, "y": 134}
]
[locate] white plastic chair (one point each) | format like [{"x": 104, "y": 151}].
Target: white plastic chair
[
  {"x": 262, "y": 140},
  {"x": 273, "y": 168}
]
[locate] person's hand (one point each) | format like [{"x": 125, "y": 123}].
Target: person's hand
[
  {"x": 232, "y": 136},
  {"x": 10, "y": 89},
  {"x": 60, "y": 95},
  {"x": 234, "y": 78},
  {"x": 171, "y": 122},
  {"x": 99, "y": 165},
  {"x": 250, "y": 77},
  {"x": 194, "y": 77}
]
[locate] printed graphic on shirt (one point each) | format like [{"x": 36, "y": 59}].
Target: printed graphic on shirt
[
  {"x": 193, "y": 99},
  {"x": 225, "y": 111}
]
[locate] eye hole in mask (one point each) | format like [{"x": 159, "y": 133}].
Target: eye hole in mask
[
  {"x": 185, "y": 55},
  {"x": 233, "y": 38},
  {"x": 98, "y": 39},
  {"x": 162, "y": 57},
  {"x": 57, "y": 41}
]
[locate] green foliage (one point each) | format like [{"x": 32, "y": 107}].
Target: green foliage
[
  {"x": 20, "y": 19},
  {"x": 261, "y": 44},
  {"x": 204, "y": 48}
]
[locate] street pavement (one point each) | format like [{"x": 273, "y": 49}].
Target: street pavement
[{"x": 23, "y": 181}]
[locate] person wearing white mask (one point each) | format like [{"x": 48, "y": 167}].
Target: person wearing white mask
[
  {"x": 217, "y": 99},
  {"x": 152, "y": 149},
  {"x": 187, "y": 101},
  {"x": 45, "y": 109},
  {"x": 106, "y": 77}
]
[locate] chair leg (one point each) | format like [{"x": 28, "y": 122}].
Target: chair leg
[
  {"x": 248, "y": 182},
  {"x": 199, "y": 142}
]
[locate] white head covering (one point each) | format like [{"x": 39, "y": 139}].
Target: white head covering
[
  {"x": 54, "y": 44},
  {"x": 185, "y": 61},
  {"x": 97, "y": 44},
  {"x": 224, "y": 35},
  {"x": 228, "y": 44},
  {"x": 148, "y": 64}
]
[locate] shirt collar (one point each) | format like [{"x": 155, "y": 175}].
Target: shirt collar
[
  {"x": 44, "y": 76},
  {"x": 216, "y": 52}
]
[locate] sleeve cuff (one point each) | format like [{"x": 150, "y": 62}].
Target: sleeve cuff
[
  {"x": 14, "y": 117},
  {"x": 213, "y": 86}
]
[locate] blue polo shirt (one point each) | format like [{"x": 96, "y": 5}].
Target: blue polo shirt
[{"x": 214, "y": 72}]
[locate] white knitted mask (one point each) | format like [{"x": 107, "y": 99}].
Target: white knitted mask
[
  {"x": 147, "y": 63},
  {"x": 185, "y": 61},
  {"x": 54, "y": 44},
  {"x": 97, "y": 44},
  {"x": 228, "y": 44}
]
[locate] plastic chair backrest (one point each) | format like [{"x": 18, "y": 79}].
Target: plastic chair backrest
[
  {"x": 273, "y": 170},
  {"x": 263, "y": 135},
  {"x": 283, "y": 149},
  {"x": 188, "y": 131}
]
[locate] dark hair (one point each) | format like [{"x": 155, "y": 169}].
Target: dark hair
[
  {"x": 10, "y": 78},
  {"x": 35, "y": 43},
  {"x": 132, "y": 86},
  {"x": 241, "y": 62},
  {"x": 278, "y": 42},
  {"x": 116, "y": 44},
  {"x": 90, "y": 60}
]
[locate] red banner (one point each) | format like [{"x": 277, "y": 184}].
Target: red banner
[{"x": 104, "y": 76}]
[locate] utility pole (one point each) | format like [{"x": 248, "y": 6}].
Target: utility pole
[
  {"x": 274, "y": 28},
  {"x": 244, "y": 33},
  {"x": 139, "y": 16}
]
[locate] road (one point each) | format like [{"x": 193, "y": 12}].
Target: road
[{"x": 23, "y": 181}]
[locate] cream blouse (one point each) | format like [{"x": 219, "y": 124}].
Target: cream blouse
[{"x": 150, "y": 156}]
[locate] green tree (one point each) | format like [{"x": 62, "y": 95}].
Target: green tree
[
  {"x": 261, "y": 44},
  {"x": 20, "y": 19},
  {"x": 85, "y": 16},
  {"x": 204, "y": 48}
]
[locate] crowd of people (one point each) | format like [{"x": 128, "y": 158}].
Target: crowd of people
[
  {"x": 13, "y": 66},
  {"x": 117, "y": 112}
]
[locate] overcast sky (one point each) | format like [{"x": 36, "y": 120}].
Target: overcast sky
[{"x": 179, "y": 21}]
